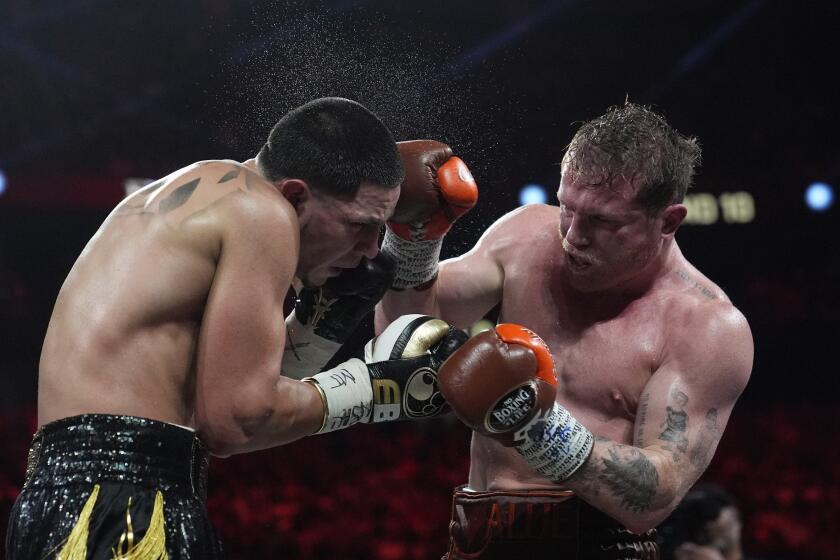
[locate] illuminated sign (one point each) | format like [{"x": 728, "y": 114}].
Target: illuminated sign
[{"x": 729, "y": 207}]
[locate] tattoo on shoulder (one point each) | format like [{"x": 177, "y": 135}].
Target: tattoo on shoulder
[
  {"x": 703, "y": 289},
  {"x": 179, "y": 196},
  {"x": 232, "y": 174},
  {"x": 138, "y": 204},
  {"x": 701, "y": 454},
  {"x": 631, "y": 477},
  {"x": 676, "y": 424}
]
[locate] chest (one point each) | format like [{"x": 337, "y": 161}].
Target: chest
[{"x": 603, "y": 361}]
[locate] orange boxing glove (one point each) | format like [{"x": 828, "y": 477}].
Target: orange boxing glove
[{"x": 437, "y": 190}]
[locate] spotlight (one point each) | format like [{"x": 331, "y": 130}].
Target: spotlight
[
  {"x": 2, "y": 182},
  {"x": 532, "y": 194},
  {"x": 819, "y": 196}
]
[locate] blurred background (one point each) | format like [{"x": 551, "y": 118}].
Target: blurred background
[{"x": 97, "y": 97}]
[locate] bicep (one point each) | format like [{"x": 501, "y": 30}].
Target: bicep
[
  {"x": 242, "y": 330},
  {"x": 467, "y": 287},
  {"x": 682, "y": 420},
  {"x": 686, "y": 404},
  {"x": 470, "y": 285}
]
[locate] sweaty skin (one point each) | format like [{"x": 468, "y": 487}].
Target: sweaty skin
[
  {"x": 650, "y": 363},
  {"x": 174, "y": 310}
]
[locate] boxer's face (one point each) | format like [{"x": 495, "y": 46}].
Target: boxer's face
[
  {"x": 338, "y": 232},
  {"x": 724, "y": 533},
  {"x": 606, "y": 237}
]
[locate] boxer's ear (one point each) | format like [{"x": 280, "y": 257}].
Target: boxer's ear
[
  {"x": 296, "y": 191},
  {"x": 672, "y": 217}
]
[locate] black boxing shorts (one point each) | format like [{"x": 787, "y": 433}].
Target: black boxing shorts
[
  {"x": 539, "y": 524},
  {"x": 101, "y": 486}
]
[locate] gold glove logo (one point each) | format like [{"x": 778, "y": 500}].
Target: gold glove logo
[
  {"x": 422, "y": 395},
  {"x": 386, "y": 400},
  {"x": 420, "y": 398}
]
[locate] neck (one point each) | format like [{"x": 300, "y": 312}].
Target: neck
[
  {"x": 658, "y": 267},
  {"x": 640, "y": 283}
]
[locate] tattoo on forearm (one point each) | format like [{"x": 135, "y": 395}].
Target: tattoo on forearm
[
  {"x": 642, "y": 418},
  {"x": 701, "y": 454},
  {"x": 178, "y": 196},
  {"x": 587, "y": 478},
  {"x": 633, "y": 478},
  {"x": 676, "y": 424}
]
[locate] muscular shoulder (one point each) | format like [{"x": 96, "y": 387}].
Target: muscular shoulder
[
  {"x": 230, "y": 189},
  {"x": 528, "y": 217},
  {"x": 217, "y": 201},
  {"x": 709, "y": 337},
  {"x": 532, "y": 224},
  {"x": 257, "y": 211}
]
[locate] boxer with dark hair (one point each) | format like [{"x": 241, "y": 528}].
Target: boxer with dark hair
[
  {"x": 167, "y": 339},
  {"x": 706, "y": 525},
  {"x": 651, "y": 355}
]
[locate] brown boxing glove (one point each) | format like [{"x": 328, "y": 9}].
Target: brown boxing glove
[
  {"x": 502, "y": 384},
  {"x": 437, "y": 190},
  {"x": 499, "y": 380}
]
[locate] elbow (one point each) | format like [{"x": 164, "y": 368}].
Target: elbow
[
  {"x": 642, "y": 521},
  {"x": 224, "y": 436},
  {"x": 219, "y": 447},
  {"x": 233, "y": 426},
  {"x": 640, "y": 524},
  {"x": 669, "y": 490}
]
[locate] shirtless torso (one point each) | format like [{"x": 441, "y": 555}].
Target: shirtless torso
[
  {"x": 177, "y": 275},
  {"x": 606, "y": 352},
  {"x": 167, "y": 338},
  {"x": 652, "y": 371}
]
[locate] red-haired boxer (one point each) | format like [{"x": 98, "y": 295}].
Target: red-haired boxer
[
  {"x": 167, "y": 338},
  {"x": 651, "y": 354}
]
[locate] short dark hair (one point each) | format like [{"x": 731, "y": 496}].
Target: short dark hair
[
  {"x": 334, "y": 144},
  {"x": 687, "y": 523},
  {"x": 634, "y": 143}
]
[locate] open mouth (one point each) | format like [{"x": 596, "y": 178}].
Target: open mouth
[{"x": 577, "y": 263}]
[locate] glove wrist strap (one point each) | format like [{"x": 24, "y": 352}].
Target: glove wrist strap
[
  {"x": 305, "y": 352},
  {"x": 347, "y": 394},
  {"x": 416, "y": 261},
  {"x": 555, "y": 444}
]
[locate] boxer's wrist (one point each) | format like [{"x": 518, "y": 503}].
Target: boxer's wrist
[
  {"x": 306, "y": 352},
  {"x": 555, "y": 444},
  {"x": 416, "y": 261},
  {"x": 321, "y": 394},
  {"x": 347, "y": 395}
]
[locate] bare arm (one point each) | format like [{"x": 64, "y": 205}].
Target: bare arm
[
  {"x": 242, "y": 401},
  {"x": 680, "y": 419},
  {"x": 467, "y": 286}
]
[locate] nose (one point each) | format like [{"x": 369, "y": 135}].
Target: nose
[
  {"x": 576, "y": 233},
  {"x": 368, "y": 244}
]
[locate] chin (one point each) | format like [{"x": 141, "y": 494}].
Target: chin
[
  {"x": 591, "y": 283},
  {"x": 313, "y": 280},
  {"x": 320, "y": 277}
]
